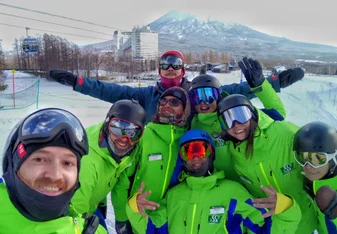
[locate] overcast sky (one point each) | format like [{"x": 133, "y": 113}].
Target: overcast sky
[{"x": 298, "y": 20}]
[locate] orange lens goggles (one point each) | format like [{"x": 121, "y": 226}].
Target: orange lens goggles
[{"x": 200, "y": 149}]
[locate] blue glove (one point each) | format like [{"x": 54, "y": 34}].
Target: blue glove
[
  {"x": 123, "y": 227},
  {"x": 63, "y": 77},
  {"x": 252, "y": 71}
]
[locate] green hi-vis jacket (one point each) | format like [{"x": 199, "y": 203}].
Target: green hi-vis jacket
[
  {"x": 325, "y": 225},
  {"x": 273, "y": 164},
  {"x": 160, "y": 146},
  {"x": 13, "y": 222},
  {"x": 210, "y": 122},
  {"x": 212, "y": 204},
  {"x": 100, "y": 174}
]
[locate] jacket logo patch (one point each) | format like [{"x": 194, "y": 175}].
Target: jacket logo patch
[
  {"x": 155, "y": 157},
  {"x": 214, "y": 218},
  {"x": 286, "y": 169},
  {"x": 217, "y": 140}
]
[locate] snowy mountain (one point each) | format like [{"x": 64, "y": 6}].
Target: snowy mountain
[
  {"x": 107, "y": 45},
  {"x": 187, "y": 33}
]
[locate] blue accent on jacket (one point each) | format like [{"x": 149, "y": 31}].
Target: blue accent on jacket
[
  {"x": 274, "y": 114},
  {"x": 330, "y": 225}
]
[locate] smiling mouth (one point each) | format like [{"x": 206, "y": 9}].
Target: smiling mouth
[
  {"x": 121, "y": 145},
  {"x": 240, "y": 131},
  {"x": 197, "y": 165},
  {"x": 204, "y": 108},
  {"x": 49, "y": 190}
]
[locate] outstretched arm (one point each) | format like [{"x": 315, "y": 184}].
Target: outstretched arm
[
  {"x": 104, "y": 91},
  {"x": 252, "y": 71}
]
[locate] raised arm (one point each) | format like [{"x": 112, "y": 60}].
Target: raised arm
[{"x": 104, "y": 91}]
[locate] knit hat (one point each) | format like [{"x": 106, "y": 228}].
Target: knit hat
[
  {"x": 182, "y": 95},
  {"x": 174, "y": 52},
  {"x": 175, "y": 92},
  {"x": 171, "y": 82},
  {"x": 22, "y": 152}
]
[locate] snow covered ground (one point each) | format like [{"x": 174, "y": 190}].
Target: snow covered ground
[{"x": 313, "y": 98}]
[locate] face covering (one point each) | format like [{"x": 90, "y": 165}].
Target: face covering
[
  {"x": 171, "y": 82},
  {"x": 36, "y": 206}
]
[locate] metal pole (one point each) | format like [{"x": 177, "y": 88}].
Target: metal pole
[
  {"x": 38, "y": 91},
  {"x": 13, "y": 88}
]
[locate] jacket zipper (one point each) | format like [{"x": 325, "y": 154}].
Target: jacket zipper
[
  {"x": 193, "y": 216},
  {"x": 272, "y": 175},
  {"x": 168, "y": 163},
  {"x": 77, "y": 228}
]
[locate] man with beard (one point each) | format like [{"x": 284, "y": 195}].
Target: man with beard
[
  {"x": 171, "y": 72},
  {"x": 40, "y": 175},
  {"x": 157, "y": 166},
  {"x": 206, "y": 202},
  {"x": 112, "y": 158}
]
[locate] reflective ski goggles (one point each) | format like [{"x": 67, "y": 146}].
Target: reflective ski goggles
[
  {"x": 44, "y": 125},
  {"x": 200, "y": 149},
  {"x": 171, "y": 60},
  {"x": 240, "y": 114},
  {"x": 207, "y": 95},
  {"x": 122, "y": 128},
  {"x": 314, "y": 159},
  {"x": 174, "y": 102}
]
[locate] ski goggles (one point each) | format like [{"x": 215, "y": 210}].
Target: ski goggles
[
  {"x": 171, "y": 60},
  {"x": 200, "y": 149},
  {"x": 240, "y": 114},
  {"x": 174, "y": 102},
  {"x": 122, "y": 128},
  {"x": 314, "y": 159},
  {"x": 44, "y": 125},
  {"x": 207, "y": 95}
]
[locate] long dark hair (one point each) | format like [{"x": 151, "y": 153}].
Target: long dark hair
[{"x": 254, "y": 132}]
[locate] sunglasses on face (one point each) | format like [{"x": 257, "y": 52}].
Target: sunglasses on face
[
  {"x": 314, "y": 159},
  {"x": 174, "y": 102},
  {"x": 200, "y": 149},
  {"x": 171, "y": 61},
  {"x": 122, "y": 128},
  {"x": 207, "y": 95}
]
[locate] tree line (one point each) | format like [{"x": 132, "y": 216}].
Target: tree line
[{"x": 57, "y": 53}]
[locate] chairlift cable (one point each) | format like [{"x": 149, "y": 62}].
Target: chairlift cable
[
  {"x": 63, "y": 25},
  {"x": 43, "y": 30},
  {"x": 82, "y": 21},
  {"x": 59, "y": 16}
]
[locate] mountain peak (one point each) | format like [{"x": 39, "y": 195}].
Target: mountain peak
[
  {"x": 178, "y": 15},
  {"x": 187, "y": 32}
]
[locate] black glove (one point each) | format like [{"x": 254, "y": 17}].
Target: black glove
[
  {"x": 252, "y": 71},
  {"x": 326, "y": 200},
  {"x": 290, "y": 76},
  {"x": 123, "y": 227},
  {"x": 63, "y": 77},
  {"x": 103, "y": 209}
]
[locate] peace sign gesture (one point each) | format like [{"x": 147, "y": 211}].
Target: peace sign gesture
[
  {"x": 269, "y": 202},
  {"x": 143, "y": 203}
]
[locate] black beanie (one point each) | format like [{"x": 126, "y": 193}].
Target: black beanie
[
  {"x": 175, "y": 92},
  {"x": 22, "y": 152}
]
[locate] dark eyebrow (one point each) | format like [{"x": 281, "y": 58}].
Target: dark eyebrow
[{"x": 48, "y": 152}]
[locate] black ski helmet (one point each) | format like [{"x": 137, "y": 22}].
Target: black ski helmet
[
  {"x": 235, "y": 100},
  {"x": 205, "y": 80},
  {"x": 316, "y": 137},
  {"x": 129, "y": 110}
]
